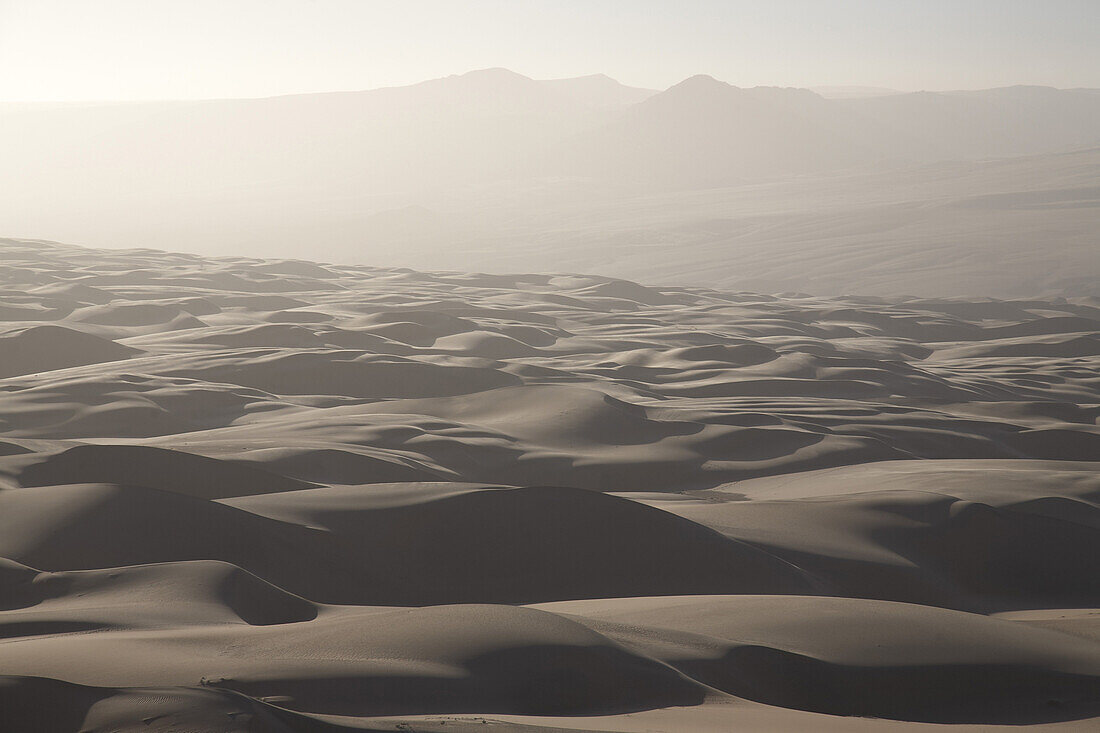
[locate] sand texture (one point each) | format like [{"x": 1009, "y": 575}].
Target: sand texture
[{"x": 275, "y": 496}]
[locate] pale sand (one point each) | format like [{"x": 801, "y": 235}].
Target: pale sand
[{"x": 244, "y": 495}]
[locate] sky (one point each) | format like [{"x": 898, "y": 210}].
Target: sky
[{"x": 55, "y": 50}]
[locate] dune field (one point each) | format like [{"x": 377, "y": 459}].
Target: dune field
[
  {"x": 769, "y": 189},
  {"x": 278, "y": 496}
]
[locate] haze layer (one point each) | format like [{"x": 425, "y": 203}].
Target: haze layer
[{"x": 990, "y": 192}]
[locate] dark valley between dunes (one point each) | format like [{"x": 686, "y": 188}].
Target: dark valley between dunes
[{"x": 282, "y": 496}]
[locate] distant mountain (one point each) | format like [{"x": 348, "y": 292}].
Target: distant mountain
[
  {"x": 704, "y": 132},
  {"x": 483, "y": 92},
  {"x": 599, "y": 90},
  {"x": 1019, "y": 120},
  {"x": 107, "y": 159},
  {"x": 850, "y": 92},
  {"x": 174, "y": 173}
]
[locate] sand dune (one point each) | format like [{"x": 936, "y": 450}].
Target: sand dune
[
  {"x": 503, "y": 546},
  {"x": 276, "y": 495},
  {"x": 48, "y": 348},
  {"x": 798, "y": 653},
  {"x": 154, "y": 468}
]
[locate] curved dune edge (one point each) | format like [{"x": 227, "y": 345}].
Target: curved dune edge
[{"x": 239, "y": 495}]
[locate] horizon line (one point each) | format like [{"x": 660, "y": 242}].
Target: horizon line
[{"x": 886, "y": 91}]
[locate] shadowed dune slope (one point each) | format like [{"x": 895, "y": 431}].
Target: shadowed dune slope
[
  {"x": 47, "y": 348},
  {"x": 156, "y": 468},
  {"x": 493, "y": 546},
  {"x": 858, "y": 658}
]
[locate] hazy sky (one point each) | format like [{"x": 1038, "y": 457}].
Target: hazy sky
[{"x": 142, "y": 49}]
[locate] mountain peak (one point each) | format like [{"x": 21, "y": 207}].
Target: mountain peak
[
  {"x": 700, "y": 88},
  {"x": 495, "y": 72},
  {"x": 702, "y": 81}
]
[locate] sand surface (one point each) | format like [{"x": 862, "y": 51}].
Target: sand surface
[{"x": 280, "y": 496}]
